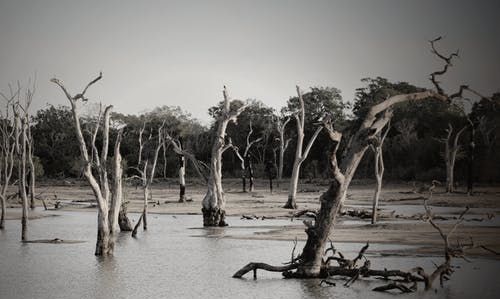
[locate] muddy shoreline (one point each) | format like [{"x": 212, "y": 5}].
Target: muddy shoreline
[{"x": 404, "y": 227}]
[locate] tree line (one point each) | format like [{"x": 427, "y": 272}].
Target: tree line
[{"x": 414, "y": 150}]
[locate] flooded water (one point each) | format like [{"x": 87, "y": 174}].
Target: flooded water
[{"x": 176, "y": 258}]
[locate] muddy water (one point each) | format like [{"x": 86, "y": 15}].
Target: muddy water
[{"x": 176, "y": 258}]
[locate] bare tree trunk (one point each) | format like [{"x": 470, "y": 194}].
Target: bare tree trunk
[
  {"x": 22, "y": 186},
  {"x": 104, "y": 244},
  {"x": 147, "y": 178},
  {"x": 117, "y": 194},
  {"x": 32, "y": 183},
  {"x": 250, "y": 172},
  {"x": 177, "y": 146},
  {"x": 213, "y": 204},
  {"x": 379, "y": 170},
  {"x": 332, "y": 200},
  {"x": 281, "y": 125},
  {"x": 123, "y": 221},
  {"x": 292, "y": 190},
  {"x": 32, "y": 169},
  {"x": 450, "y": 182},
  {"x": 299, "y": 155},
  {"x": 2, "y": 219},
  {"x": 470, "y": 162},
  {"x": 134, "y": 231},
  {"x": 21, "y": 121},
  {"x": 182, "y": 178},
  {"x": 145, "y": 209},
  {"x": 451, "y": 149},
  {"x": 164, "y": 159},
  {"x": 7, "y": 149},
  {"x": 242, "y": 169},
  {"x": 141, "y": 144},
  {"x": 245, "y": 161}
]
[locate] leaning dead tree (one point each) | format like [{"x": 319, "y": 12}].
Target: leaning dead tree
[
  {"x": 148, "y": 172},
  {"x": 300, "y": 153},
  {"x": 214, "y": 202},
  {"x": 183, "y": 154},
  {"x": 283, "y": 144},
  {"x": 7, "y": 149},
  {"x": 376, "y": 146},
  {"x": 95, "y": 170},
  {"x": 451, "y": 149},
  {"x": 245, "y": 160},
  {"x": 310, "y": 263}
]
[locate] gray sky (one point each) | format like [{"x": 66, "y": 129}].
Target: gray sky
[{"x": 181, "y": 53}]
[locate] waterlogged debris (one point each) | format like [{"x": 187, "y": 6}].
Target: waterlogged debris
[{"x": 54, "y": 241}]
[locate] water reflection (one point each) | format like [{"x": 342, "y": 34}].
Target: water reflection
[{"x": 105, "y": 276}]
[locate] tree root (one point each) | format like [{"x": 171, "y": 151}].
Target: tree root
[
  {"x": 254, "y": 266},
  {"x": 134, "y": 232},
  {"x": 396, "y": 286}
]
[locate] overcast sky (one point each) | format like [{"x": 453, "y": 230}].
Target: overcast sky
[{"x": 181, "y": 53}]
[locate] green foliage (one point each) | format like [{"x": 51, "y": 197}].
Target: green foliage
[
  {"x": 261, "y": 117},
  {"x": 39, "y": 172},
  {"x": 55, "y": 140},
  {"x": 485, "y": 115},
  {"x": 412, "y": 149},
  {"x": 318, "y": 103}
]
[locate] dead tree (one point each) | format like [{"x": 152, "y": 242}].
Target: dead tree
[
  {"x": 123, "y": 220},
  {"x": 177, "y": 145},
  {"x": 32, "y": 169},
  {"x": 283, "y": 145},
  {"x": 300, "y": 153},
  {"x": 21, "y": 123},
  {"x": 183, "y": 154},
  {"x": 451, "y": 146},
  {"x": 214, "y": 202},
  {"x": 164, "y": 152},
  {"x": 450, "y": 155},
  {"x": 245, "y": 160},
  {"x": 29, "y": 186},
  {"x": 7, "y": 150},
  {"x": 444, "y": 270},
  {"x": 310, "y": 261},
  {"x": 470, "y": 157},
  {"x": 141, "y": 142},
  {"x": 148, "y": 172},
  {"x": 108, "y": 197},
  {"x": 182, "y": 178},
  {"x": 376, "y": 146}
]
